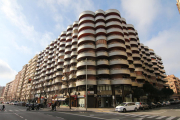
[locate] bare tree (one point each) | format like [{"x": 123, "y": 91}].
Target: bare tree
[{"x": 66, "y": 82}]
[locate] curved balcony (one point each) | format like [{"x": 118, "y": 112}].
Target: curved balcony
[
  {"x": 119, "y": 71},
  {"x": 89, "y": 13},
  {"x": 132, "y": 37},
  {"x": 140, "y": 77},
  {"x": 131, "y": 66},
  {"x": 100, "y": 18},
  {"x": 72, "y": 84},
  {"x": 115, "y": 37},
  {"x": 57, "y": 80},
  {"x": 63, "y": 37},
  {"x": 116, "y": 44},
  {"x": 86, "y": 46},
  {"x": 86, "y": 32},
  {"x": 127, "y": 44},
  {"x": 86, "y": 54},
  {"x": 59, "y": 66},
  {"x": 137, "y": 62},
  {"x": 140, "y": 84},
  {"x": 66, "y": 63},
  {"x": 63, "y": 43},
  {"x": 69, "y": 32},
  {"x": 104, "y": 82},
  {"x": 83, "y": 82},
  {"x": 114, "y": 30},
  {"x": 101, "y": 31},
  {"x": 101, "y": 53},
  {"x": 136, "y": 55},
  {"x": 156, "y": 72},
  {"x": 131, "y": 31},
  {"x": 68, "y": 38},
  {"x": 83, "y": 72},
  {"x": 100, "y": 37},
  {"x": 73, "y": 53},
  {"x": 128, "y": 51},
  {"x": 86, "y": 38},
  {"x": 86, "y": 19},
  {"x": 67, "y": 56},
  {"x": 64, "y": 86},
  {"x": 117, "y": 52},
  {"x": 100, "y": 24},
  {"x": 118, "y": 61},
  {"x": 134, "y": 83},
  {"x": 67, "y": 50},
  {"x": 108, "y": 18},
  {"x": 59, "y": 73},
  {"x": 74, "y": 60},
  {"x": 74, "y": 40},
  {"x": 121, "y": 81},
  {"x": 112, "y": 11},
  {"x": 101, "y": 46},
  {"x": 130, "y": 58},
  {"x": 102, "y": 62},
  {"x": 113, "y": 23},
  {"x": 60, "y": 60},
  {"x": 102, "y": 71},
  {"x": 86, "y": 26},
  {"x": 135, "y": 49},
  {"x": 133, "y": 75},
  {"x": 83, "y": 63},
  {"x": 72, "y": 76},
  {"x": 73, "y": 68},
  {"x": 154, "y": 61},
  {"x": 73, "y": 47},
  {"x": 139, "y": 69},
  {"x": 68, "y": 44}
]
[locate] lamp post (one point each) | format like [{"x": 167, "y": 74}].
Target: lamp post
[{"x": 86, "y": 84}]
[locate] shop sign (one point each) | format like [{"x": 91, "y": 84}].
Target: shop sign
[{"x": 90, "y": 92}]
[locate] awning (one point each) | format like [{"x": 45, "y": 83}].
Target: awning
[{"x": 61, "y": 99}]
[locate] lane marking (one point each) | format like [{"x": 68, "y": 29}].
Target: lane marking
[
  {"x": 170, "y": 118},
  {"x": 161, "y": 117}
]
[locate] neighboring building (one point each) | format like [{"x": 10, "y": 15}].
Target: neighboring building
[
  {"x": 29, "y": 76},
  {"x": 117, "y": 62},
  {"x": 174, "y": 84},
  {"x": 178, "y": 5},
  {"x": 2, "y": 88},
  {"x": 8, "y": 91},
  {"x": 21, "y": 82}
]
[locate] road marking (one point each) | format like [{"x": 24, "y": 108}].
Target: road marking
[
  {"x": 60, "y": 117},
  {"x": 161, "y": 117},
  {"x": 151, "y": 116},
  {"x": 82, "y": 115},
  {"x": 170, "y": 118}
]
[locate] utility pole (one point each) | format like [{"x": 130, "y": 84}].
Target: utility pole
[{"x": 86, "y": 84}]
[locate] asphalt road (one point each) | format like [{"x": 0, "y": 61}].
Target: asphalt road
[{"x": 19, "y": 113}]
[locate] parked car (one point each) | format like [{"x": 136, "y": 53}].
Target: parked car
[
  {"x": 142, "y": 105},
  {"x": 152, "y": 105},
  {"x": 177, "y": 101},
  {"x": 168, "y": 103},
  {"x": 158, "y": 104},
  {"x": 172, "y": 101},
  {"x": 163, "y": 103},
  {"x": 126, "y": 106}
]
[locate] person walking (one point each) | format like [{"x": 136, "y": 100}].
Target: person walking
[
  {"x": 3, "y": 107},
  {"x": 52, "y": 106},
  {"x": 55, "y": 104}
]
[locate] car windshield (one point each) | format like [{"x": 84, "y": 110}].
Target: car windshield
[{"x": 122, "y": 104}]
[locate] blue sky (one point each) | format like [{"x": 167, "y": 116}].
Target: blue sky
[{"x": 28, "y": 26}]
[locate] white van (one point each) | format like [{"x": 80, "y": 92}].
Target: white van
[{"x": 126, "y": 106}]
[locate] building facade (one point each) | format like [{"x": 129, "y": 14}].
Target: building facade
[{"x": 102, "y": 48}]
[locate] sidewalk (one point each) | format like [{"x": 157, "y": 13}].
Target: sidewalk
[{"x": 66, "y": 108}]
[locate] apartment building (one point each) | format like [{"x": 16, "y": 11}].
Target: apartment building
[
  {"x": 20, "y": 93},
  {"x": 178, "y": 5},
  {"x": 174, "y": 83},
  {"x": 8, "y": 91},
  {"x": 111, "y": 51},
  {"x": 29, "y": 77},
  {"x": 2, "y": 88}
]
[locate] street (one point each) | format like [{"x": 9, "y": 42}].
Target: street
[{"x": 13, "y": 112}]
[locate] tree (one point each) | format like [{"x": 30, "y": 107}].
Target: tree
[
  {"x": 66, "y": 80},
  {"x": 167, "y": 92},
  {"x": 138, "y": 92}
]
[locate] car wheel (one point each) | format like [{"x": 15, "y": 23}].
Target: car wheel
[
  {"x": 124, "y": 110},
  {"x": 135, "y": 109},
  {"x": 143, "y": 108}
]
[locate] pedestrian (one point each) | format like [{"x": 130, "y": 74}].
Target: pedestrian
[
  {"x": 37, "y": 107},
  {"x": 52, "y": 106},
  {"x": 3, "y": 107},
  {"x": 55, "y": 104}
]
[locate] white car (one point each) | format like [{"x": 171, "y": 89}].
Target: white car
[{"x": 126, "y": 106}]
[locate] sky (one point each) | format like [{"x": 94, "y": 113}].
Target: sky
[{"x": 28, "y": 26}]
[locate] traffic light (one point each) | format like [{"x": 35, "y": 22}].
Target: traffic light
[{"x": 29, "y": 81}]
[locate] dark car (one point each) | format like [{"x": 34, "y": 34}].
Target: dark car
[
  {"x": 158, "y": 104},
  {"x": 152, "y": 105}
]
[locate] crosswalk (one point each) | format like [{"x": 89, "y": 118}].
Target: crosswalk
[
  {"x": 17, "y": 110},
  {"x": 149, "y": 117}
]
